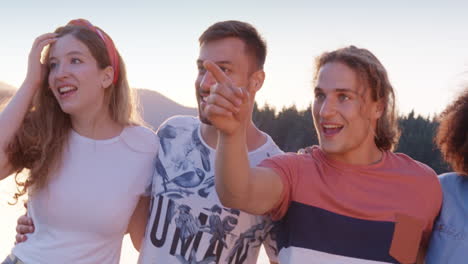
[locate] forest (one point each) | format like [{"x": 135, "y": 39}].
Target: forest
[{"x": 293, "y": 129}]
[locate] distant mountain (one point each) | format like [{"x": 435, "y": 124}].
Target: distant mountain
[{"x": 155, "y": 107}]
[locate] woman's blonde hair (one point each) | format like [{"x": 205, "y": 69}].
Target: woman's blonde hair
[{"x": 39, "y": 142}]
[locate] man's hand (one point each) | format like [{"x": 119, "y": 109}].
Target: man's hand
[
  {"x": 25, "y": 226},
  {"x": 227, "y": 105}
]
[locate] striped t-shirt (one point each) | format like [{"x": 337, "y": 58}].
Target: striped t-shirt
[{"x": 330, "y": 212}]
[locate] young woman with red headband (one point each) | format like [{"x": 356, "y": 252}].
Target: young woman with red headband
[{"x": 74, "y": 126}]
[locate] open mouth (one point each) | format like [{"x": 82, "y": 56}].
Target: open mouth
[
  {"x": 66, "y": 90},
  {"x": 331, "y": 129}
]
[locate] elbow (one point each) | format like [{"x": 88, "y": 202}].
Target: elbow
[
  {"x": 230, "y": 203},
  {"x": 229, "y": 199}
]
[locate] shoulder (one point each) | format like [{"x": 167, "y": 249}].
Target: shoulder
[
  {"x": 140, "y": 139},
  {"x": 453, "y": 186},
  {"x": 417, "y": 172},
  {"x": 270, "y": 147},
  {"x": 289, "y": 159},
  {"x": 180, "y": 120},
  {"x": 451, "y": 180},
  {"x": 178, "y": 127},
  {"x": 405, "y": 162},
  {"x": 285, "y": 157},
  {"x": 309, "y": 155}
]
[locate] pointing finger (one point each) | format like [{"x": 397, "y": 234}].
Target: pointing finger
[
  {"x": 222, "y": 78},
  {"x": 217, "y": 73}
]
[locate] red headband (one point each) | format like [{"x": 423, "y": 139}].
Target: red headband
[{"x": 111, "y": 50}]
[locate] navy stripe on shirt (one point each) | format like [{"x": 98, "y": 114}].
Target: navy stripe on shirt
[{"x": 314, "y": 228}]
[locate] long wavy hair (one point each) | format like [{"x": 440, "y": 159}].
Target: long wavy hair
[
  {"x": 373, "y": 74},
  {"x": 452, "y": 134},
  {"x": 39, "y": 143}
]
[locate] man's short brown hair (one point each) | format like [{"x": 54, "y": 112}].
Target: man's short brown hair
[{"x": 255, "y": 45}]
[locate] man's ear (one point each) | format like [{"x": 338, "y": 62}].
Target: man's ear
[
  {"x": 256, "y": 81},
  {"x": 107, "y": 77}
]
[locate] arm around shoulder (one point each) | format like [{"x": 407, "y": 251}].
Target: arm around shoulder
[{"x": 137, "y": 224}]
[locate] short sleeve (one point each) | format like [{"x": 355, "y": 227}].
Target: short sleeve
[
  {"x": 140, "y": 139},
  {"x": 286, "y": 166},
  {"x": 150, "y": 180},
  {"x": 145, "y": 143},
  {"x": 149, "y": 175}
]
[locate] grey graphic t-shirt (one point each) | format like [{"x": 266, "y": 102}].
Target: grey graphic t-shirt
[{"x": 188, "y": 223}]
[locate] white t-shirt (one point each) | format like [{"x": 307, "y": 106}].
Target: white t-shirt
[
  {"x": 82, "y": 214},
  {"x": 188, "y": 223}
]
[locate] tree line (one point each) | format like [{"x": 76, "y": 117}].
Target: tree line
[{"x": 293, "y": 129}]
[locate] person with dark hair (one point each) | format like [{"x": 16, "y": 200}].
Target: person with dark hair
[
  {"x": 348, "y": 200},
  {"x": 74, "y": 126},
  {"x": 187, "y": 223},
  {"x": 448, "y": 244}
]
